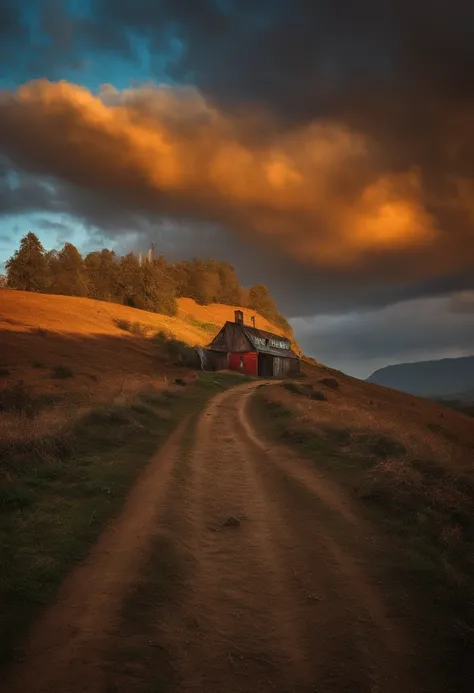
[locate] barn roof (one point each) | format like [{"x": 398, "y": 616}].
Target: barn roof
[
  {"x": 255, "y": 332},
  {"x": 284, "y": 353},
  {"x": 254, "y": 335}
]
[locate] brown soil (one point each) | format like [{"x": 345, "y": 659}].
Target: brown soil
[
  {"x": 280, "y": 598},
  {"x": 67, "y": 644}
]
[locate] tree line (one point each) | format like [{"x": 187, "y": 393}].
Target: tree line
[{"x": 152, "y": 284}]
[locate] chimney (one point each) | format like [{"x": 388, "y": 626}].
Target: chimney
[
  {"x": 253, "y": 320},
  {"x": 239, "y": 317}
]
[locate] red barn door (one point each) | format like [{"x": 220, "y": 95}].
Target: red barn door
[{"x": 246, "y": 362}]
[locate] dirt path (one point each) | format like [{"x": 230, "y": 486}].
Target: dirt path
[{"x": 275, "y": 603}]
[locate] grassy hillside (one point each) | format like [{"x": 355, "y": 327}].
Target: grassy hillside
[
  {"x": 409, "y": 463},
  {"x": 86, "y": 396},
  {"x": 22, "y": 310},
  {"x": 71, "y": 354}
]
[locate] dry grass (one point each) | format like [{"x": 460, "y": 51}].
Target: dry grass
[
  {"x": 410, "y": 462},
  {"x": 426, "y": 429},
  {"x": 57, "y": 490},
  {"x": 83, "y": 353},
  {"x": 65, "y": 314}
]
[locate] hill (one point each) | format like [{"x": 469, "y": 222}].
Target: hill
[
  {"x": 406, "y": 464},
  {"x": 429, "y": 378},
  {"x": 76, "y": 353},
  {"x": 345, "y": 506}
]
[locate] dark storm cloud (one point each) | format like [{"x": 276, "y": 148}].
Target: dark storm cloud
[
  {"x": 12, "y": 28},
  {"x": 463, "y": 302},
  {"x": 22, "y": 192},
  {"x": 396, "y": 66},
  {"x": 49, "y": 225},
  {"x": 415, "y": 330},
  {"x": 399, "y": 70},
  {"x": 398, "y": 74}
]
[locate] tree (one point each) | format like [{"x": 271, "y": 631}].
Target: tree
[
  {"x": 68, "y": 273},
  {"x": 165, "y": 296},
  {"x": 230, "y": 290},
  {"x": 27, "y": 269},
  {"x": 155, "y": 290},
  {"x": 102, "y": 274},
  {"x": 129, "y": 280},
  {"x": 203, "y": 282},
  {"x": 260, "y": 300},
  {"x": 148, "y": 286},
  {"x": 180, "y": 272}
]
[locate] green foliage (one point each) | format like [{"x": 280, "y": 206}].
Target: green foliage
[
  {"x": 67, "y": 272},
  {"x": 156, "y": 289},
  {"x": 27, "y": 269},
  {"x": 147, "y": 286},
  {"x": 260, "y": 300},
  {"x": 175, "y": 351},
  {"x": 208, "y": 281},
  {"x": 209, "y": 327},
  {"x": 203, "y": 281},
  {"x": 103, "y": 275},
  {"x": 230, "y": 289}
]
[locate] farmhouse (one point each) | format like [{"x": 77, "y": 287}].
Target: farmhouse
[{"x": 244, "y": 348}]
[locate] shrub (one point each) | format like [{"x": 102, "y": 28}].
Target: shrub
[
  {"x": 379, "y": 445},
  {"x": 135, "y": 328},
  {"x": 175, "y": 351},
  {"x": 295, "y": 388},
  {"x": 318, "y": 395},
  {"x": 122, "y": 324},
  {"x": 330, "y": 382},
  {"x": 14, "y": 496},
  {"x": 18, "y": 400},
  {"x": 61, "y": 372},
  {"x": 305, "y": 391},
  {"x": 139, "y": 330}
]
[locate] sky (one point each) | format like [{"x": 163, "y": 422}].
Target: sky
[{"x": 326, "y": 149}]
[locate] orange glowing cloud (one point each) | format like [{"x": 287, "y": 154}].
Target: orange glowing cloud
[{"x": 313, "y": 191}]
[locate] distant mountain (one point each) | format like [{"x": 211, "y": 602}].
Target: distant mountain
[{"x": 429, "y": 378}]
